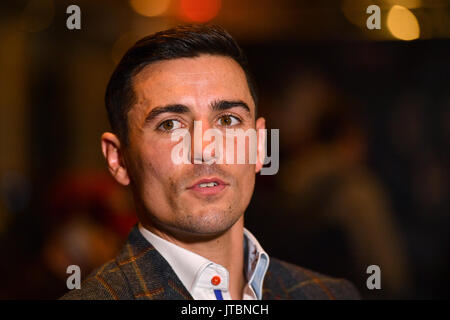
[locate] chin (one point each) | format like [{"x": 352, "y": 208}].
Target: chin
[{"x": 210, "y": 222}]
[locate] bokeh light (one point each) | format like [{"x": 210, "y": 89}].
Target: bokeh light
[
  {"x": 150, "y": 8},
  {"x": 402, "y": 23},
  {"x": 410, "y": 4},
  {"x": 199, "y": 10}
]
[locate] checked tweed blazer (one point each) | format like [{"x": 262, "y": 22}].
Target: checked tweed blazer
[{"x": 140, "y": 272}]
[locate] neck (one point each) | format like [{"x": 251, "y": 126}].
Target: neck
[{"x": 226, "y": 249}]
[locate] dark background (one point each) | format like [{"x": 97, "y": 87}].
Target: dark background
[{"x": 364, "y": 123}]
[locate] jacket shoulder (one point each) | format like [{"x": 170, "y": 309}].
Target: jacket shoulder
[
  {"x": 289, "y": 281},
  {"x": 105, "y": 283}
]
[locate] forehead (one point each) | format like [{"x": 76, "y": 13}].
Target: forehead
[{"x": 191, "y": 81}]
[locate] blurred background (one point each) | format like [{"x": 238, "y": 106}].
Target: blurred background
[{"x": 364, "y": 119}]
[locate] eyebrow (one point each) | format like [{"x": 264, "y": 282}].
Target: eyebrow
[
  {"x": 171, "y": 108},
  {"x": 219, "y": 105}
]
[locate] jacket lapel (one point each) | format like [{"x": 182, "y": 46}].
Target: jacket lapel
[
  {"x": 270, "y": 286},
  {"x": 149, "y": 275}
]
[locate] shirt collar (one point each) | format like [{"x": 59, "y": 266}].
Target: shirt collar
[
  {"x": 191, "y": 267},
  {"x": 256, "y": 262}
]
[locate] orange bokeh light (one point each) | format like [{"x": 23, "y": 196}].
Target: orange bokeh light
[{"x": 199, "y": 10}]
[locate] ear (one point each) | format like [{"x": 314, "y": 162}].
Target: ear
[
  {"x": 260, "y": 125},
  {"x": 114, "y": 157}
]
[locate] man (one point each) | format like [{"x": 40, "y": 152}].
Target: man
[{"x": 191, "y": 242}]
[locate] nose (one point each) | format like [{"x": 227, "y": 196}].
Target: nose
[{"x": 199, "y": 143}]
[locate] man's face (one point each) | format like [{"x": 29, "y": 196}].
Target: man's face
[{"x": 171, "y": 95}]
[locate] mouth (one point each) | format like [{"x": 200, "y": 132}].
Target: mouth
[{"x": 210, "y": 186}]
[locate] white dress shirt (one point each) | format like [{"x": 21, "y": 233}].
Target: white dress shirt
[{"x": 203, "y": 278}]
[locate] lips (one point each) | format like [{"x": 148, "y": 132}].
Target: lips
[{"x": 209, "y": 186}]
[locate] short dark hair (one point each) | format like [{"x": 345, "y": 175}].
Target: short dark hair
[{"x": 186, "y": 41}]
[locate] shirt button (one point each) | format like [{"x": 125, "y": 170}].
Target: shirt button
[{"x": 215, "y": 280}]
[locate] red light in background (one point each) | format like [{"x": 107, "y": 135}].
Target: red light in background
[{"x": 199, "y": 10}]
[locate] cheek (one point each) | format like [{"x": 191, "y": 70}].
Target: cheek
[
  {"x": 161, "y": 169},
  {"x": 247, "y": 185},
  {"x": 155, "y": 169},
  {"x": 245, "y": 179}
]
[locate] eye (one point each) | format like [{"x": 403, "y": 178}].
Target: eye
[
  {"x": 169, "y": 125},
  {"x": 228, "y": 120}
]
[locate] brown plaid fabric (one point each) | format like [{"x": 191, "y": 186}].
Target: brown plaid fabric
[{"x": 140, "y": 272}]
